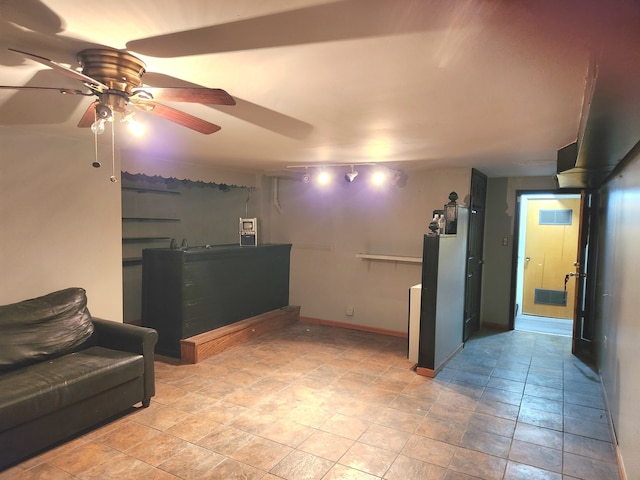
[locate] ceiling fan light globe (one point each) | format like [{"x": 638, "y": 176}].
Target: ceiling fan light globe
[
  {"x": 97, "y": 127},
  {"x": 135, "y": 128}
]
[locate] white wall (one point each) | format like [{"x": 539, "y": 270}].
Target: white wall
[
  {"x": 60, "y": 221},
  {"x": 617, "y": 310},
  {"x": 329, "y": 227}
]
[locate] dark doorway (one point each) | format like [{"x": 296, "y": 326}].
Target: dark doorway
[{"x": 473, "y": 287}]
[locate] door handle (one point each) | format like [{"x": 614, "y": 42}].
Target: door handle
[
  {"x": 572, "y": 274},
  {"x": 527, "y": 259},
  {"x": 576, "y": 274}
]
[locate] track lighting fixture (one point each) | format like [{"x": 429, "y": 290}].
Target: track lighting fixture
[
  {"x": 378, "y": 174},
  {"x": 324, "y": 178},
  {"x": 378, "y": 177},
  {"x": 350, "y": 176}
]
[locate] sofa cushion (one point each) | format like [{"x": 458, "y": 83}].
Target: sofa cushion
[
  {"x": 35, "y": 390},
  {"x": 44, "y": 327}
]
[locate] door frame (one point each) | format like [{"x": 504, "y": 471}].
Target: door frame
[
  {"x": 582, "y": 345},
  {"x": 524, "y": 200},
  {"x": 516, "y": 244}
]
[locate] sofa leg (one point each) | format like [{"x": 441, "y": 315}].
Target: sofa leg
[{"x": 146, "y": 402}]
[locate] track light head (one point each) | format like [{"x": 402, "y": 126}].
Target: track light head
[{"x": 350, "y": 176}]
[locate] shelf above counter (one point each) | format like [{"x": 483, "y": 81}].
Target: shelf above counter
[
  {"x": 144, "y": 239},
  {"x": 149, "y": 219},
  {"x": 389, "y": 258},
  {"x": 151, "y": 190},
  {"x": 131, "y": 261}
]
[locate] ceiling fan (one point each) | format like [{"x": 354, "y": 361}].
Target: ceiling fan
[{"x": 115, "y": 78}]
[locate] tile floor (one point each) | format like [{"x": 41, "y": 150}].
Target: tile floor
[
  {"x": 555, "y": 326},
  {"x": 317, "y": 402}
]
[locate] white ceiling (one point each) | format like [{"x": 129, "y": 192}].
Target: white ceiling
[{"x": 493, "y": 84}]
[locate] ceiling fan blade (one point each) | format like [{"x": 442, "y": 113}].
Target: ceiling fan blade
[
  {"x": 64, "y": 91},
  {"x": 177, "y": 116},
  {"x": 249, "y": 112},
  {"x": 330, "y": 21},
  {"x": 89, "y": 116},
  {"x": 33, "y": 15},
  {"x": 50, "y": 106},
  {"x": 206, "y": 96},
  {"x": 90, "y": 82}
]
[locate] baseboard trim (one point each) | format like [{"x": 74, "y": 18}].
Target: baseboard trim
[
  {"x": 428, "y": 372},
  {"x": 495, "y": 326},
  {"x": 352, "y": 326},
  {"x": 612, "y": 434}
]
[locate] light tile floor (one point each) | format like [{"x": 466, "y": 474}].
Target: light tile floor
[
  {"x": 555, "y": 326},
  {"x": 317, "y": 402}
]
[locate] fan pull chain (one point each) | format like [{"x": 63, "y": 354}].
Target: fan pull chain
[
  {"x": 113, "y": 177},
  {"x": 96, "y": 163}
]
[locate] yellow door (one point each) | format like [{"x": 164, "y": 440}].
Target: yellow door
[{"x": 551, "y": 248}]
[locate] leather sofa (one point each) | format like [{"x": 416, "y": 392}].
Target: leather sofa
[{"x": 63, "y": 371}]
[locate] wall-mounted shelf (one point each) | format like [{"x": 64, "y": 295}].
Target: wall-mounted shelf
[
  {"x": 130, "y": 261},
  {"x": 143, "y": 239},
  {"x": 151, "y": 190},
  {"x": 389, "y": 258},
  {"x": 149, "y": 219}
]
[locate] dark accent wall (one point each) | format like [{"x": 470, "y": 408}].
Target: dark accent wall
[{"x": 157, "y": 209}]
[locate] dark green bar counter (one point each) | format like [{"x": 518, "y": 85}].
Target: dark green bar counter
[{"x": 190, "y": 291}]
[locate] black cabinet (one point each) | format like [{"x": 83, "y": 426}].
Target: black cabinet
[
  {"x": 442, "y": 299},
  {"x": 187, "y": 292}
]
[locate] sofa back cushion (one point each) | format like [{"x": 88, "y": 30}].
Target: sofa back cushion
[{"x": 39, "y": 328}]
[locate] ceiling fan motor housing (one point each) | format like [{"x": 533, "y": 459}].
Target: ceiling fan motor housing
[{"x": 120, "y": 71}]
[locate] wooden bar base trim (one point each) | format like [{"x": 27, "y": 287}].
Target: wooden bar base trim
[
  {"x": 428, "y": 372},
  {"x": 200, "y": 347}
]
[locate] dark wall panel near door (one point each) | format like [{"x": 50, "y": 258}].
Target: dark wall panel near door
[{"x": 475, "y": 247}]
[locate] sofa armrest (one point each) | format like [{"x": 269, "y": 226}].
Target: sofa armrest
[{"x": 130, "y": 338}]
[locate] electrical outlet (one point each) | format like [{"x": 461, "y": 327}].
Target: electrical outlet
[{"x": 349, "y": 310}]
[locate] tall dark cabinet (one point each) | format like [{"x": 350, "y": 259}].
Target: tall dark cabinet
[
  {"x": 442, "y": 297},
  {"x": 188, "y": 292}
]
